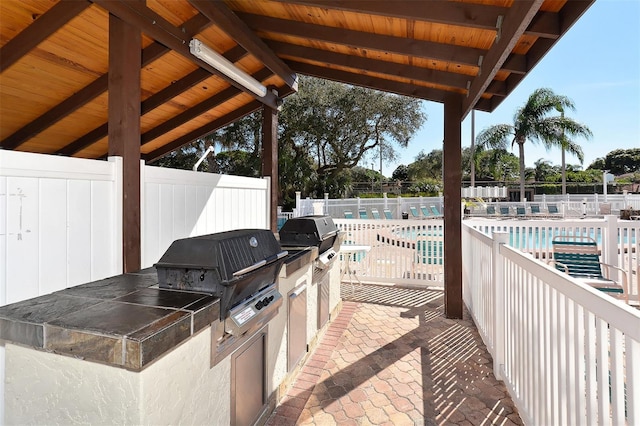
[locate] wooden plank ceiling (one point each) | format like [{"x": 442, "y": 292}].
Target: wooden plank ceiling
[{"x": 54, "y": 59}]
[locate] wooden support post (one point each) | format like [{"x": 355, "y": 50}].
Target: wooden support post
[
  {"x": 124, "y": 129},
  {"x": 270, "y": 160},
  {"x": 452, "y": 172}
]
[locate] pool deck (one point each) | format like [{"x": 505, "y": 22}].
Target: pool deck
[{"x": 392, "y": 358}]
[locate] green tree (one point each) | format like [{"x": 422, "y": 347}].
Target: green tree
[
  {"x": 426, "y": 166},
  {"x": 622, "y": 161},
  {"x": 534, "y": 122},
  {"x": 401, "y": 173}
]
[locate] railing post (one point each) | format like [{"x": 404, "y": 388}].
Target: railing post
[
  {"x": 499, "y": 305},
  {"x": 399, "y": 208},
  {"x": 326, "y": 203},
  {"x": 610, "y": 252},
  {"x": 385, "y": 200},
  {"x": 297, "y": 210}
]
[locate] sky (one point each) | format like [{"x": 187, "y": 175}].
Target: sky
[{"x": 596, "y": 64}]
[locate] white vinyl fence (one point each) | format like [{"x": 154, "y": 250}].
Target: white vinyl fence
[
  {"x": 566, "y": 352},
  {"x": 61, "y": 219},
  {"x": 400, "y": 251}
]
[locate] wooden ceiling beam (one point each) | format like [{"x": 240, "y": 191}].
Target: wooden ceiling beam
[
  {"x": 442, "y": 12},
  {"x": 405, "y": 89},
  {"x": 45, "y": 25},
  {"x": 234, "y": 54},
  {"x": 229, "y": 22},
  {"x": 460, "y": 14},
  {"x": 91, "y": 91},
  {"x": 211, "y": 127},
  {"x": 399, "y": 45},
  {"x": 162, "y": 31},
  {"x": 372, "y": 65},
  {"x": 515, "y": 23},
  {"x": 199, "y": 109}
]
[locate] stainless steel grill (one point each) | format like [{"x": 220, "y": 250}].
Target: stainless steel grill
[
  {"x": 319, "y": 231},
  {"x": 240, "y": 267}
]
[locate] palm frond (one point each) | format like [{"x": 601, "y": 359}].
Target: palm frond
[{"x": 495, "y": 137}]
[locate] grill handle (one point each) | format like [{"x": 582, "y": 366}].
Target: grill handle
[{"x": 261, "y": 263}]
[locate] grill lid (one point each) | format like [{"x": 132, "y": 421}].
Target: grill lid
[
  {"x": 304, "y": 231},
  {"x": 231, "y": 253}
]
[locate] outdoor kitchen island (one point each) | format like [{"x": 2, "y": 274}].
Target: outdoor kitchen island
[{"x": 122, "y": 350}]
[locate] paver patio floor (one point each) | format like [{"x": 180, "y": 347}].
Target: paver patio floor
[{"x": 392, "y": 358}]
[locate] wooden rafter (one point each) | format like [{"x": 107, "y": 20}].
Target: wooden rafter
[
  {"x": 198, "y": 109},
  {"x": 399, "y": 45},
  {"x": 40, "y": 30},
  {"x": 211, "y": 127},
  {"x": 169, "y": 92},
  {"x": 90, "y": 92},
  {"x": 161, "y": 30},
  {"x": 371, "y": 65},
  {"x": 514, "y": 25},
  {"x": 461, "y": 14},
  {"x": 226, "y": 19}
]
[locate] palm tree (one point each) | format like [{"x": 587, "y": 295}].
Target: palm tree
[{"x": 534, "y": 122}]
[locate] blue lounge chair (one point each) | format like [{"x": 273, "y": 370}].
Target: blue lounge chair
[
  {"x": 491, "y": 210},
  {"x": 387, "y": 214},
  {"x": 435, "y": 211},
  {"x": 414, "y": 212},
  {"x": 579, "y": 257},
  {"x": 505, "y": 211},
  {"x": 425, "y": 212},
  {"x": 362, "y": 214},
  {"x": 348, "y": 214},
  {"x": 535, "y": 209},
  {"x": 553, "y": 209},
  {"x": 375, "y": 213},
  {"x": 521, "y": 212}
]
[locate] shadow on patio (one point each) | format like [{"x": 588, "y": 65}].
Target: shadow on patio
[{"x": 391, "y": 357}]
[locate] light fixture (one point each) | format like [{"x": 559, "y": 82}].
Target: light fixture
[{"x": 222, "y": 64}]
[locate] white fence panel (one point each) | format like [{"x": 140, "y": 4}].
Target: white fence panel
[
  {"x": 566, "y": 352},
  {"x": 402, "y": 251},
  {"x": 59, "y": 223},
  {"x": 182, "y": 203}
]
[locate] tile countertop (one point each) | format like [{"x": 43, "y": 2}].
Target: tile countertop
[{"x": 125, "y": 321}]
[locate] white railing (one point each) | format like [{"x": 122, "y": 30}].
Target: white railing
[
  {"x": 618, "y": 240},
  {"x": 401, "y": 251},
  {"x": 567, "y": 353}
]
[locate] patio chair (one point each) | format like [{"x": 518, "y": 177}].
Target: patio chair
[
  {"x": 535, "y": 209},
  {"x": 375, "y": 213},
  {"x": 362, "y": 214},
  {"x": 553, "y": 210},
  {"x": 521, "y": 212},
  {"x": 491, "y": 210},
  {"x": 425, "y": 212},
  {"x": 505, "y": 211},
  {"x": 387, "y": 214},
  {"x": 414, "y": 212},
  {"x": 435, "y": 211},
  {"x": 348, "y": 214},
  {"x": 579, "y": 257}
]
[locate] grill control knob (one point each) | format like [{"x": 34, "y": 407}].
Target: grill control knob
[{"x": 259, "y": 305}]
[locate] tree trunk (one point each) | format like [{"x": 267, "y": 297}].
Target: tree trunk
[
  {"x": 564, "y": 174},
  {"x": 521, "y": 152}
]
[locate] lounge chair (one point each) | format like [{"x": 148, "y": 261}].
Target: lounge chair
[
  {"x": 553, "y": 210},
  {"x": 348, "y": 214},
  {"x": 414, "y": 212},
  {"x": 435, "y": 212},
  {"x": 362, "y": 214},
  {"x": 579, "y": 257},
  {"x": 491, "y": 210},
  {"x": 375, "y": 213},
  {"x": 521, "y": 212},
  {"x": 535, "y": 209},
  {"x": 387, "y": 214},
  {"x": 505, "y": 211},
  {"x": 425, "y": 212}
]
